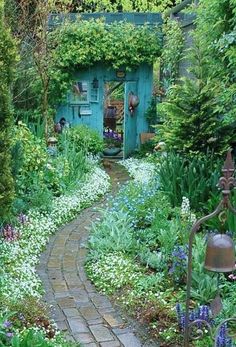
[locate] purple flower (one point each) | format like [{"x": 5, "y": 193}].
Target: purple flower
[
  {"x": 179, "y": 264},
  {"x": 223, "y": 340},
  {"x": 180, "y": 316},
  {"x": 7, "y": 324},
  {"x": 9, "y": 334},
  {"x": 9, "y": 233},
  {"x": 22, "y": 218},
  {"x": 180, "y": 252},
  {"x": 21, "y": 316},
  {"x": 110, "y": 134},
  {"x": 203, "y": 312}
]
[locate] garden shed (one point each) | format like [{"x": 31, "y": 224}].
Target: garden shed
[{"x": 111, "y": 100}]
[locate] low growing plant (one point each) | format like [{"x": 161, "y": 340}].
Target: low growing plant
[
  {"x": 112, "y": 234},
  {"x": 138, "y": 201},
  {"x": 204, "y": 283},
  {"x": 81, "y": 138},
  {"x": 113, "y": 271}
]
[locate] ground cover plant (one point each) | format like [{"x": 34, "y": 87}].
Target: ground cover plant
[
  {"x": 138, "y": 255},
  {"x": 21, "y": 246},
  {"x": 51, "y": 188}
]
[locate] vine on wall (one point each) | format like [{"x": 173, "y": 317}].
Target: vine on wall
[
  {"x": 124, "y": 5},
  {"x": 84, "y": 43}
]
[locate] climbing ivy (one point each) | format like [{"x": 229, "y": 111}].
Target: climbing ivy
[
  {"x": 7, "y": 58},
  {"x": 124, "y": 5},
  {"x": 84, "y": 43}
]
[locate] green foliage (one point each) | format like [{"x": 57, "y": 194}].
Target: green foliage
[
  {"x": 153, "y": 259},
  {"x": 7, "y": 61},
  {"x": 145, "y": 149},
  {"x": 38, "y": 176},
  {"x": 5, "y": 328},
  {"x": 124, "y": 5},
  {"x": 33, "y": 149},
  {"x": 215, "y": 27},
  {"x": 171, "y": 53},
  {"x": 85, "y": 43},
  {"x": 29, "y": 313},
  {"x": 112, "y": 234},
  {"x": 151, "y": 112},
  {"x": 32, "y": 193},
  {"x": 30, "y": 157},
  {"x": 31, "y": 338},
  {"x": 192, "y": 121},
  {"x": 199, "y": 112},
  {"x": 36, "y": 338},
  {"x": 194, "y": 178},
  {"x": 113, "y": 271},
  {"x": 139, "y": 201},
  {"x": 64, "y": 172},
  {"x": 204, "y": 283},
  {"x": 82, "y": 138}
]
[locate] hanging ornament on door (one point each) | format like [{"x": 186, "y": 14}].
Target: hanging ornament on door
[{"x": 133, "y": 102}]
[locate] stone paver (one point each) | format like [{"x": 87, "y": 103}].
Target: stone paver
[{"x": 85, "y": 315}]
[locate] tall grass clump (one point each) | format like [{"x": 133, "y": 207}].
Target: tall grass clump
[{"x": 195, "y": 178}]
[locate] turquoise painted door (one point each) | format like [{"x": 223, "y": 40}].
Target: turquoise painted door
[{"x": 130, "y": 124}]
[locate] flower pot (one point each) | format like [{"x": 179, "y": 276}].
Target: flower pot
[{"x": 111, "y": 151}]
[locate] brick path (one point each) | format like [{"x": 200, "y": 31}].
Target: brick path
[{"x": 79, "y": 311}]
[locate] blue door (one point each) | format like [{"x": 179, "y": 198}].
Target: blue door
[{"x": 130, "y": 123}]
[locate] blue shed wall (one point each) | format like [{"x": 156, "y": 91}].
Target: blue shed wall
[{"x": 142, "y": 75}]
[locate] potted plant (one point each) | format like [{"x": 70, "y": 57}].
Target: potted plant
[{"x": 113, "y": 142}]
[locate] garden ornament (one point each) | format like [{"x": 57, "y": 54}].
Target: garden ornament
[
  {"x": 133, "y": 102},
  {"x": 220, "y": 255},
  {"x": 52, "y": 146},
  {"x": 52, "y": 141},
  {"x": 161, "y": 146}
]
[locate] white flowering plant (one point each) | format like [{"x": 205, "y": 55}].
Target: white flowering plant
[
  {"x": 141, "y": 171},
  {"x": 22, "y": 244},
  {"x": 113, "y": 271},
  {"x": 186, "y": 213}
]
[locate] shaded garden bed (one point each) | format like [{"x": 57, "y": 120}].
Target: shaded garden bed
[{"x": 138, "y": 252}]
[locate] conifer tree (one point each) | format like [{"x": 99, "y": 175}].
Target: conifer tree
[
  {"x": 192, "y": 114},
  {"x": 7, "y": 59}
]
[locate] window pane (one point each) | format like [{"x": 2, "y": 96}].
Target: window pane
[{"x": 79, "y": 92}]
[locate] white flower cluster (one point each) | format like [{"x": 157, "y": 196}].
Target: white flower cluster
[
  {"x": 140, "y": 170},
  {"x": 113, "y": 271},
  {"x": 19, "y": 258},
  {"x": 93, "y": 159},
  {"x": 186, "y": 211}
]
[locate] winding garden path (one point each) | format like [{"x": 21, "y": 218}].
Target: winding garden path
[{"x": 78, "y": 309}]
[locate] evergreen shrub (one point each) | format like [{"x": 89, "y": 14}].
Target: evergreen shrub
[{"x": 7, "y": 60}]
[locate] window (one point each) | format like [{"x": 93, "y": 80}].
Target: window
[
  {"x": 79, "y": 93},
  {"x": 94, "y": 97}
]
